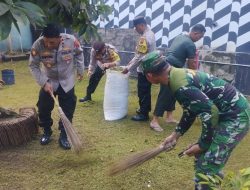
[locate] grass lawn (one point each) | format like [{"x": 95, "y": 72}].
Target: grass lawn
[{"x": 33, "y": 166}]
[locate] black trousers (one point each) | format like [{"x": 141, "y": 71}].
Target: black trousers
[
  {"x": 144, "y": 94},
  {"x": 165, "y": 101},
  {"x": 94, "y": 80},
  {"x": 45, "y": 104}
]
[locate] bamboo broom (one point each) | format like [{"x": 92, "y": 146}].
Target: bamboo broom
[
  {"x": 71, "y": 133},
  {"x": 138, "y": 159}
]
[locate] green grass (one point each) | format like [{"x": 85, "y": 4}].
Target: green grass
[{"x": 33, "y": 166}]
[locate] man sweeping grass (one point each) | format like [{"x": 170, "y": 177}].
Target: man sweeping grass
[
  {"x": 224, "y": 113},
  {"x": 60, "y": 55}
]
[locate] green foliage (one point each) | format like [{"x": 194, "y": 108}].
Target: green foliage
[
  {"x": 75, "y": 14},
  {"x": 232, "y": 181},
  {"x": 214, "y": 182},
  {"x": 14, "y": 12}
]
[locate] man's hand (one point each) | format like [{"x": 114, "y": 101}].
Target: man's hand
[
  {"x": 79, "y": 77},
  {"x": 48, "y": 88},
  {"x": 89, "y": 73},
  {"x": 108, "y": 65},
  {"x": 193, "y": 150},
  {"x": 171, "y": 140},
  {"x": 125, "y": 70}
]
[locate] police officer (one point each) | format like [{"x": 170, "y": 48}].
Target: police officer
[
  {"x": 224, "y": 113},
  {"x": 102, "y": 56},
  {"x": 60, "y": 55},
  {"x": 146, "y": 44}
]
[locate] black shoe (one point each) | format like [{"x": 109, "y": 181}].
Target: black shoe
[
  {"x": 45, "y": 139},
  {"x": 140, "y": 117},
  {"x": 63, "y": 141},
  {"x": 86, "y": 98}
]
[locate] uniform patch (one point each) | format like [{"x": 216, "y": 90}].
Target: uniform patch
[
  {"x": 49, "y": 65},
  {"x": 142, "y": 45},
  {"x": 67, "y": 57},
  {"x": 76, "y": 44},
  {"x": 33, "y": 52},
  {"x": 113, "y": 55}
]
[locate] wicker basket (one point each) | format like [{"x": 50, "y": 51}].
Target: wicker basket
[{"x": 18, "y": 130}]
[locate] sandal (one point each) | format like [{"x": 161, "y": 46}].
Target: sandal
[{"x": 156, "y": 127}]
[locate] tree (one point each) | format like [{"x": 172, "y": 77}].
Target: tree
[
  {"x": 14, "y": 12},
  {"x": 75, "y": 14}
]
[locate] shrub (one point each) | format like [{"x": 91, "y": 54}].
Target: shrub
[{"x": 232, "y": 181}]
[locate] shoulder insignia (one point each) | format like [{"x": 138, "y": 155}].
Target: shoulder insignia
[
  {"x": 113, "y": 55},
  {"x": 33, "y": 52},
  {"x": 142, "y": 45},
  {"x": 76, "y": 44}
]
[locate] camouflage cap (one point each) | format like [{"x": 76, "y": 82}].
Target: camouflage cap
[{"x": 153, "y": 62}]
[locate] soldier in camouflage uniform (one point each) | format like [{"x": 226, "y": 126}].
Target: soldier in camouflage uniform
[
  {"x": 102, "y": 56},
  {"x": 224, "y": 112},
  {"x": 60, "y": 55},
  {"x": 146, "y": 44}
]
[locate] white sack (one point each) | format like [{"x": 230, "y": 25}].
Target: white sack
[{"x": 115, "y": 103}]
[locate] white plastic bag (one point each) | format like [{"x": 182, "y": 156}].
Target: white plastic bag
[{"x": 115, "y": 104}]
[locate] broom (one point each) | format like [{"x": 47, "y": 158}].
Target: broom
[
  {"x": 138, "y": 159},
  {"x": 71, "y": 133}
]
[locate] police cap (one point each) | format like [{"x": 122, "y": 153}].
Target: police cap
[
  {"x": 52, "y": 30},
  {"x": 98, "y": 46},
  {"x": 153, "y": 62},
  {"x": 139, "y": 20}
]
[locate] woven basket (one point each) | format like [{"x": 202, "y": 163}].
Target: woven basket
[{"x": 18, "y": 130}]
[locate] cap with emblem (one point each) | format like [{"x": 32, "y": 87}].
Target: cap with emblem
[
  {"x": 98, "y": 46},
  {"x": 139, "y": 20},
  {"x": 153, "y": 62}
]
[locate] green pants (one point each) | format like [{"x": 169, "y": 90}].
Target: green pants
[{"x": 227, "y": 135}]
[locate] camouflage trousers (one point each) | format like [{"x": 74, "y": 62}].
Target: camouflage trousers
[{"x": 227, "y": 135}]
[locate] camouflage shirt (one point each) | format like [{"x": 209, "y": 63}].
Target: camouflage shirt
[{"x": 208, "y": 97}]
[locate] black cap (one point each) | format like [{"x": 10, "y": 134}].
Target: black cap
[
  {"x": 52, "y": 30},
  {"x": 139, "y": 20}
]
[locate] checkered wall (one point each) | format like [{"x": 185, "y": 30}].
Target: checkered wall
[{"x": 226, "y": 21}]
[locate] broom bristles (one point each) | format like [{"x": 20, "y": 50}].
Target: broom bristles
[
  {"x": 72, "y": 135},
  {"x": 136, "y": 159}
]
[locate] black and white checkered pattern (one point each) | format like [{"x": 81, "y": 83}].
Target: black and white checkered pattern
[{"x": 227, "y": 22}]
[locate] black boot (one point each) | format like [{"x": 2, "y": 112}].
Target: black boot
[
  {"x": 84, "y": 99},
  {"x": 45, "y": 139},
  {"x": 140, "y": 117},
  {"x": 63, "y": 140}
]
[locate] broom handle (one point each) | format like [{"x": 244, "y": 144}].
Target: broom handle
[{"x": 55, "y": 100}]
